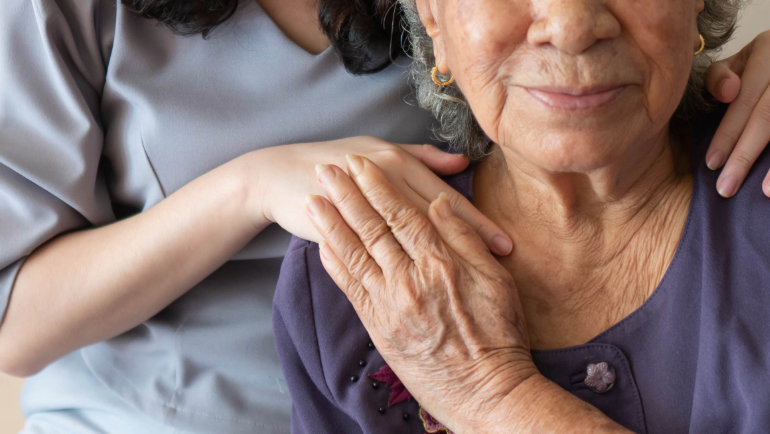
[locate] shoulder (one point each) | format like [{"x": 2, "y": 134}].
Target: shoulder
[
  {"x": 732, "y": 235},
  {"x": 740, "y": 221},
  {"x": 327, "y": 356}
]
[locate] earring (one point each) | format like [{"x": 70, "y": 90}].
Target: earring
[
  {"x": 702, "y": 45},
  {"x": 439, "y": 82}
]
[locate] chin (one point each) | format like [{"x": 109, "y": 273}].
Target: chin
[{"x": 579, "y": 151}]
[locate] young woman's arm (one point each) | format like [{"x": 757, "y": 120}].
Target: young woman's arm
[
  {"x": 70, "y": 275},
  {"x": 93, "y": 284}
]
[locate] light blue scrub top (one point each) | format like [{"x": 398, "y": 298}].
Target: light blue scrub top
[{"x": 103, "y": 114}]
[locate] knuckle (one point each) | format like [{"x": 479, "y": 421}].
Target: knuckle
[
  {"x": 762, "y": 113},
  {"x": 372, "y": 230},
  {"x": 743, "y": 160},
  {"x": 357, "y": 295},
  {"x": 345, "y": 197},
  {"x": 407, "y": 221},
  {"x": 359, "y": 262},
  {"x": 726, "y": 137},
  {"x": 335, "y": 227},
  {"x": 392, "y": 155},
  {"x": 748, "y": 98}
]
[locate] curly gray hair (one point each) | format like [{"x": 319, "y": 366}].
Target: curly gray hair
[{"x": 457, "y": 125}]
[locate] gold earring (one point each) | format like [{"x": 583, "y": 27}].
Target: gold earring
[
  {"x": 702, "y": 45},
  {"x": 439, "y": 82}
]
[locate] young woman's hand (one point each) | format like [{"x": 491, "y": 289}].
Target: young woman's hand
[
  {"x": 286, "y": 177},
  {"x": 743, "y": 80}
]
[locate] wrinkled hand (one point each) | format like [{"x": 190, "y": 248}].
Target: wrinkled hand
[
  {"x": 743, "y": 80},
  {"x": 441, "y": 310},
  {"x": 286, "y": 174}
]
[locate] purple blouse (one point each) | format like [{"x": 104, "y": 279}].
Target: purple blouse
[{"x": 695, "y": 357}]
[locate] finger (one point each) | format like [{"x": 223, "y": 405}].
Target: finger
[
  {"x": 495, "y": 238},
  {"x": 458, "y": 234},
  {"x": 343, "y": 241},
  {"x": 722, "y": 82},
  {"x": 352, "y": 288},
  {"x": 369, "y": 227},
  {"x": 751, "y": 144},
  {"x": 440, "y": 162},
  {"x": 409, "y": 227},
  {"x": 754, "y": 82}
]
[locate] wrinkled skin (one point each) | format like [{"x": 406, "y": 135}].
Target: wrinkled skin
[
  {"x": 441, "y": 310},
  {"x": 443, "y": 290}
]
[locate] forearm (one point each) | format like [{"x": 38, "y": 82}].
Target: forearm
[
  {"x": 538, "y": 405},
  {"x": 91, "y": 285}
]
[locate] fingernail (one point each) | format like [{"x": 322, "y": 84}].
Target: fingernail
[
  {"x": 714, "y": 160},
  {"x": 502, "y": 245},
  {"x": 355, "y": 163},
  {"x": 726, "y": 186},
  {"x": 767, "y": 188},
  {"x": 325, "y": 173},
  {"x": 314, "y": 204},
  {"x": 442, "y": 205}
]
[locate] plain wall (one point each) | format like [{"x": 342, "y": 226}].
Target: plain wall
[{"x": 754, "y": 20}]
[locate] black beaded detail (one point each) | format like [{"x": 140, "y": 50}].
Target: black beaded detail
[
  {"x": 375, "y": 385},
  {"x": 381, "y": 410},
  {"x": 371, "y": 345},
  {"x": 362, "y": 363},
  {"x": 353, "y": 378},
  {"x": 406, "y": 417}
]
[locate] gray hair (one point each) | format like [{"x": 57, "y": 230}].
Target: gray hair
[{"x": 459, "y": 128}]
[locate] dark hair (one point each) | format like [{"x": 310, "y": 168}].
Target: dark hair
[{"x": 366, "y": 34}]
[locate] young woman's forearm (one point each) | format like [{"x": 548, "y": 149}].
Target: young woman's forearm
[{"x": 87, "y": 286}]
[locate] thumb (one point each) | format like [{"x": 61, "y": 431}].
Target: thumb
[
  {"x": 723, "y": 82},
  {"x": 440, "y": 162},
  {"x": 723, "y": 78}
]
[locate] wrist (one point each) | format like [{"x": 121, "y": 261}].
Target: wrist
[
  {"x": 246, "y": 179},
  {"x": 537, "y": 405},
  {"x": 496, "y": 405}
]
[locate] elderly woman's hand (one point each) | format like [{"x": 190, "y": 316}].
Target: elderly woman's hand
[
  {"x": 743, "y": 80},
  {"x": 442, "y": 311}
]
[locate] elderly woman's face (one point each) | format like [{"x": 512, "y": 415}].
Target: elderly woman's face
[{"x": 570, "y": 85}]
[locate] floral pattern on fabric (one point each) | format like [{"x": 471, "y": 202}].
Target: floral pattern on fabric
[
  {"x": 431, "y": 425},
  {"x": 398, "y": 393}
]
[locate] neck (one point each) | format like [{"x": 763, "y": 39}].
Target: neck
[{"x": 580, "y": 236}]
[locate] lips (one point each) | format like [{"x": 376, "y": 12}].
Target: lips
[{"x": 576, "y": 98}]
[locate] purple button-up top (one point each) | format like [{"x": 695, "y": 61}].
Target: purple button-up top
[{"x": 695, "y": 357}]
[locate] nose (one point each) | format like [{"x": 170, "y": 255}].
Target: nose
[{"x": 572, "y": 26}]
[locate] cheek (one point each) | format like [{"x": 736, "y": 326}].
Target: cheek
[
  {"x": 662, "y": 47},
  {"x": 483, "y": 36}
]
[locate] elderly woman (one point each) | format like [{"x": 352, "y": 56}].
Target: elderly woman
[{"x": 636, "y": 298}]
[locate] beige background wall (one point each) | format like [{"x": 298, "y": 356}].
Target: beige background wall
[{"x": 755, "y": 19}]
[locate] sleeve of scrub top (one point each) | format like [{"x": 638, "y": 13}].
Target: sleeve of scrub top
[{"x": 51, "y": 75}]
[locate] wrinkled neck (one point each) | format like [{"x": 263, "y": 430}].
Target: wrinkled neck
[
  {"x": 597, "y": 242},
  {"x": 576, "y": 208}
]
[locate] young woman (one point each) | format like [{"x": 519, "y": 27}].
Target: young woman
[{"x": 140, "y": 172}]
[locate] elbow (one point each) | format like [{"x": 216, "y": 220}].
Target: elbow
[
  {"x": 15, "y": 363},
  {"x": 21, "y": 368}
]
